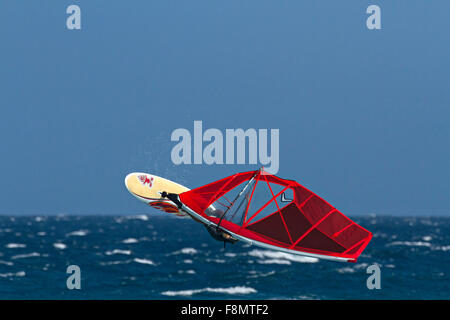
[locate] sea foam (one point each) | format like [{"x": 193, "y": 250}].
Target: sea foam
[
  {"x": 144, "y": 261},
  {"x": 15, "y": 245},
  {"x": 11, "y": 274},
  {"x": 118, "y": 251},
  {"x": 232, "y": 291},
  {"x": 77, "y": 233},
  {"x": 277, "y": 257}
]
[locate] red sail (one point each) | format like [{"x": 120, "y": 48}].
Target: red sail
[{"x": 275, "y": 212}]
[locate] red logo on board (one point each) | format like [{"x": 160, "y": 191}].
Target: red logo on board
[{"x": 146, "y": 180}]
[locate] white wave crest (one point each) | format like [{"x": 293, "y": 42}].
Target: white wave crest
[
  {"x": 144, "y": 261},
  {"x": 442, "y": 248},
  {"x": 59, "y": 245},
  {"x": 232, "y": 291},
  {"x": 118, "y": 251},
  {"x": 130, "y": 240},
  {"x": 27, "y": 255},
  {"x": 276, "y": 255},
  {"x": 11, "y": 274},
  {"x": 216, "y": 260},
  {"x": 346, "y": 270},
  {"x": 142, "y": 217},
  {"x": 230, "y": 254},
  {"x": 109, "y": 263},
  {"x": 15, "y": 245},
  {"x": 255, "y": 274},
  {"x": 77, "y": 233},
  {"x": 186, "y": 271},
  {"x": 7, "y": 263},
  {"x": 188, "y": 250},
  {"x": 410, "y": 244}
]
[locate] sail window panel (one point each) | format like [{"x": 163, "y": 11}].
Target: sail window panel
[
  {"x": 262, "y": 197},
  {"x": 233, "y": 204}
]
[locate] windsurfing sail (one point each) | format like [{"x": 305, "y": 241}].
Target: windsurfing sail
[{"x": 278, "y": 214}]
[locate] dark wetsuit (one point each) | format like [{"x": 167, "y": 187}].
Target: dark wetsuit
[
  {"x": 216, "y": 233},
  {"x": 219, "y": 235}
]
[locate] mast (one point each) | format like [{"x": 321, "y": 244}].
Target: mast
[{"x": 237, "y": 197}]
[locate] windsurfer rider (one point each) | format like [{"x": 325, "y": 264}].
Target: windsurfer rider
[
  {"x": 214, "y": 231},
  {"x": 219, "y": 235}
]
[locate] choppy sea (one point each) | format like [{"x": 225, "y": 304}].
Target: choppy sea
[{"x": 161, "y": 257}]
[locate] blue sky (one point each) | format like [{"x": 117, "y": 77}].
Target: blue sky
[{"x": 363, "y": 115}]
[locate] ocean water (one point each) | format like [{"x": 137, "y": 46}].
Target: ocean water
[{"x": 161, "y": 257}]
